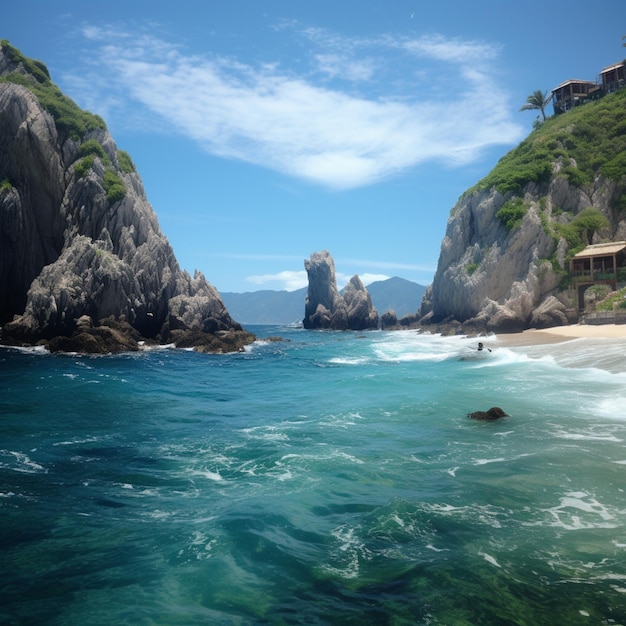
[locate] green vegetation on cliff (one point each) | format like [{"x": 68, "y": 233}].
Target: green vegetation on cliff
[
  {"x": 584, "y": 142},
  {"x": 512, "y": 213},
  {"x": 617, "y": 299},
  {"x": 69, "y": 118}
]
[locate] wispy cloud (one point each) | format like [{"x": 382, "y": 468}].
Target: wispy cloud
[
  {"x": 388, "y": 265},
  {"x": 358, "y": 115},
  {"x": 290, "y": 280}
]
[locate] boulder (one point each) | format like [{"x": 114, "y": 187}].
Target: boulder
[{"x": 494, "y": 413}]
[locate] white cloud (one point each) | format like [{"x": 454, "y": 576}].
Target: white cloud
[
  {"x": 338, "y": 66},
  {"x": 366, "y": 278},
  {"x": 458, "y": 51},
  {"x": 291, "y": 280},
  {"x": 389, "y": 265},
  {"x": 287, "y": 280},
  {"x": 319, "y": 131}
]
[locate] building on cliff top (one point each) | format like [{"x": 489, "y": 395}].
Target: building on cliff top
[
  {"x": 573, "y": 92},
  {"x": 613, "y": 77}
]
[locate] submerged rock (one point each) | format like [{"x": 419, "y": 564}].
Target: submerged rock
[{"x": 494, "y": 413}]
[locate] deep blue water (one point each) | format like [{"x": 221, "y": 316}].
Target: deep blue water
[{"x": 332, "y": 478}]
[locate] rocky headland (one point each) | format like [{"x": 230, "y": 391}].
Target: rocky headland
[
  {"x": 325, "y": 308},
  {"x": 504, "y": 260},
  {"x": 84, "y": 265}
]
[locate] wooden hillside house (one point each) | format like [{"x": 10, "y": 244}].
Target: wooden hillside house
[
  {"x": 613, "y": 77},
  {"x": 571, "y": 93},
  {"x": 599, "y": 264}
]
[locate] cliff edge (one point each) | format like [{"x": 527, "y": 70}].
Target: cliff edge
[
  {"x": 84, "y": 265},
  {"x": 504, "y": 260}
]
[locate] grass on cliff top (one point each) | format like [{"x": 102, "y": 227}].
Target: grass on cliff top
[
  {"x": 69, "y": 118},
  {"x": 587, "y": 141}
]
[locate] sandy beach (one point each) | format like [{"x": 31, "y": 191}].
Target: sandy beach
[{"x": 563, "y": 333}]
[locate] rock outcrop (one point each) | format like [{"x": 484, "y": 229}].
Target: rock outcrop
[
  {"x": 83, "y": 263},
  {"x": 326, "y": 308},
  {"x": 494, "y": 413},
  {"x": 503, "y": 265}
]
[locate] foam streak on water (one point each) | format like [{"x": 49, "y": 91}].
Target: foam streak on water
[{"x": 331, "y": 478}]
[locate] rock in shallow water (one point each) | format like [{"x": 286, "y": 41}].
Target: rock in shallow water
[{"x": 494, "y": 413}]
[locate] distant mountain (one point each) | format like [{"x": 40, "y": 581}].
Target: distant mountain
[
  {"x": 266, "y": 306},
  {"x": 396, "y": 294},
  {"x": 285, "y": 307}
]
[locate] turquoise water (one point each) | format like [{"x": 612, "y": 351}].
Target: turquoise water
[{"x": 332, "y": 478}]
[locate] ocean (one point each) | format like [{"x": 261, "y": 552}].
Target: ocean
[{"x": 329, "y": 478}]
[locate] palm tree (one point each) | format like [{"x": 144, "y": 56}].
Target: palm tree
[{"x": 537, "y": 100}]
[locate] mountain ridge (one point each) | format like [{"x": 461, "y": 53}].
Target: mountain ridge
[{"x": 281, "y": 307}]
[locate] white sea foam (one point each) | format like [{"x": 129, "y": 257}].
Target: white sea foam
[
  {"x": 487, "y": 461},
  {"x": 502, "y": 459},
  {"x": 489, "y": 558},
  {"x": 594, "y": 513},
  {"x": 612, "y": 407},
  {"x": 286, "y": 475},
  {"x": 201, "y": 546},
  {"x": 349, "y": 360},
  {"x": 20, "y": 462},
  {"x": 209, "y": 475},
  {"x": 485, "y": 514},
  {"x": 268, "y": 433},
  {"x": 26, "y": 349},
  {"x": 431, "y": 547},
  {"x": 350, "y": 551},
  {"x": 587, "y": 435},
  {"x": 410, "y": 346}
]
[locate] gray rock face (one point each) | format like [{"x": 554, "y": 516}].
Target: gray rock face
[
  {"x": 494, "y": 279},
  {"x": 31, "y": 224},
  {"x": 326, "y": 308},
  {"x": 69, "y": 248}
]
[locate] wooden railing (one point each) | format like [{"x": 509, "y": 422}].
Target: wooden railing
[{"x": 579, "y": 275}]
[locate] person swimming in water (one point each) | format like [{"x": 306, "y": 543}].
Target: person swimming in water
[{"x": 481, "y": 347}]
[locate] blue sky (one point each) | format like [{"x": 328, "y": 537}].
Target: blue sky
[{"x": 265, "y": 131}]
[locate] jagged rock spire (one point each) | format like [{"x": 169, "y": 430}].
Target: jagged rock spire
[{"x": 326, "y": 308}]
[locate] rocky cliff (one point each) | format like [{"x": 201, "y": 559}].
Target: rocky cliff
[
  {"x": 83, "y": 263},
  {"x": 505, "y": 256},
  {"x": 326, "y": 308}
]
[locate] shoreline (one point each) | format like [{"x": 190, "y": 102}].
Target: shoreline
[{"x": 558, "y": 334}]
